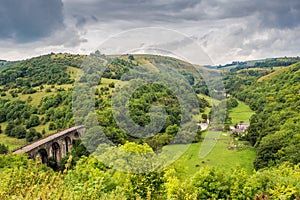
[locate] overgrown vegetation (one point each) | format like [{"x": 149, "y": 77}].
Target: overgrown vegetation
[{"x": 26, "y": 179}]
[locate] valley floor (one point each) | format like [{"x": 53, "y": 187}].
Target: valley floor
[{"x": 220, "y": 156}]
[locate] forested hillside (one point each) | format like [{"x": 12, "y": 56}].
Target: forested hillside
[
  {"x": 275, "y": 127},
  {"x": 36, "y": 96}
]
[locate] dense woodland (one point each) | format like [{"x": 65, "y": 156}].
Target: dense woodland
[{"x": 274, "y": 131}]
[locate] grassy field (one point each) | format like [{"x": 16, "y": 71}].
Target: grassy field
[
  {"x": 219, "y": 156},
  {"x": 148, "y": 65},
  {"x": 72, "y": 71},
  {"x": 278, "y": 70},
  {"x": 12, "y": 143},
  {"x": 37, "y": 97},
  {"x": 241, "y": 113},
  {"x": 210, "y": 100}
]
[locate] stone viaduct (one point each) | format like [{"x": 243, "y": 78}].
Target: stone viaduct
[{"x": 55, "y": 146}]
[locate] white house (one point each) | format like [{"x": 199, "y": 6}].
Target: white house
[
  {"x": 203, "y": 125},
  {"x": 243, "y": 126}
]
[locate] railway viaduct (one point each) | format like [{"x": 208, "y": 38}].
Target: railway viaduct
[{"x": 56, "y": 145}]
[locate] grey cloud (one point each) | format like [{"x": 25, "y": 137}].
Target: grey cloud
[
  {"x": 246, "y": 40},
  {"x": 80, "y": 20},
  {"x": 94, "y": 18},
  {"x": 28, "y": 20},
  {"x": 69, "y": 37},
  {"x": 144, "y": 10},
  {"x": 281, "y": 14},
  {"x": 270, "y": 13}
]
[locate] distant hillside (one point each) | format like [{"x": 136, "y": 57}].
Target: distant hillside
[
  {"x": 265, "y": 63},
  {"x": 6, "y": 64}
]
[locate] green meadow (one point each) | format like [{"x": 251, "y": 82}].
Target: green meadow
[
  {"x": 240, "y": 113},
  {"x": 219, "y": 156}
]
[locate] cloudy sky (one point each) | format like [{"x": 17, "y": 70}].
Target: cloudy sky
[{"x": 227, "y": 30}]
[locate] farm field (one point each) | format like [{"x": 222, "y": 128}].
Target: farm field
[
  {"x": 240, "y": 113},
  {"x": 200, "y": 154},
  {"x": 219, "y": 156}
]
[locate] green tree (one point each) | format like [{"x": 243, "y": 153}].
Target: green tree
[
  {"x": 131, "y": 57},
  {"x": 211, "y": 183},
  {"x": 9, "y": 128},
  {"x": 18, "y": 132},
  {"x": 32, "y": 135},
  {"x": 34, "y": 120}
]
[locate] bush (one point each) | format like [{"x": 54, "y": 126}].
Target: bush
[
  {"x": 3, "y": 149},
  {"x": 52, "y": 126},
  {"x": 10, "y": 126},
  {"x": 29, "y": 91},
  {"x": 111, "y": 85}
]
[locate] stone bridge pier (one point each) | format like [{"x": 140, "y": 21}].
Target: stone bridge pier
[{"x": 55, "y": 146}]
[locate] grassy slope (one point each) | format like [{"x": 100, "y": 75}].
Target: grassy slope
[
  {"x": 12, "y": 143},
  {"x": 241, "y": 113},
  {"x": 278, "y": 70},
  {"x": 36, "y": 99}
]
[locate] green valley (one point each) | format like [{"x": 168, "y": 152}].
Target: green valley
[{"x": 37, "y": 100}]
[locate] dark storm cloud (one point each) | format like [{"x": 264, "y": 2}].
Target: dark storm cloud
[
  {"x": 29, "y": 20},
  {"x": 144, "y": 10},
  {"x": 270, "y": 13}
]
